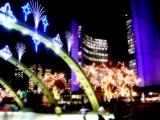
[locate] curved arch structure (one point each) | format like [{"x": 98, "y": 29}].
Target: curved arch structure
[
  {"x": 12, "y": 92},
  {"x": 32, "y": 76},
  {"x": 71, "y": 63}
]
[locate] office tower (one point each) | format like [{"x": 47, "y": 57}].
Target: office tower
[
  {"x": 131, "y": 44},
  {"x": 86, "y": 49},
  {"x": 146, "y": 32},
  {"x": 95, "y": 49}
]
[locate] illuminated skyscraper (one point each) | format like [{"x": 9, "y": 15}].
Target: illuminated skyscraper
[
  {"x": 86, "y": 47},
  {"x": 145, "y": 14},
  {"x": 95, "y": 49},
  {"x": 131, "y": 45}
]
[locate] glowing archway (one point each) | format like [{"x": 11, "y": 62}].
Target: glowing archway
[
  {"x": 71, "y": 63},
  {"x": 12, "y": 92},
  {"x": 32, "y": 76}
]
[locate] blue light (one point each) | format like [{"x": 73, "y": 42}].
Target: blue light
[
  {"x": 26, "y": 10},
  {"x": 5, "y": 53},
  {"x": 7, "y": 10},
  {"x": 57, "y": 41},
  {"x": 6, "y": 15},
  {"x": 45, "y": 22},
  {"x": 36, "y": 42}
]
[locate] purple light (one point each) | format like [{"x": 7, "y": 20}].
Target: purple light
[
  {"x": 147, "y": 42},
  {"x": 74, "y": 54}
]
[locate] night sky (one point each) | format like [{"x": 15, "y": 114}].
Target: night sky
[{"x": 105, "y": 19}]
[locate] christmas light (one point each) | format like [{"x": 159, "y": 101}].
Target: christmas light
[
  {"x": 45, "y": 22},
  {"x": 5, "y": 53},
  {"x": 26, "y": 10},
  {"x": 20, "y": 47},
  {"x": 6, "y": 16},
  {"x": 69, "y": 38},
  {"x": 114, "y": 82},
  {"x": 57, "y": 41}
]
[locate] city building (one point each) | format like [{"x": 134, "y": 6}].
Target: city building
[
  {"x": 131, "y": 45},
  {"x": 95, "y": 49},
  {"x": 18, "y": 73},
  {"x": 85, "y": 50},
  {"x": 146, "y": 32}
]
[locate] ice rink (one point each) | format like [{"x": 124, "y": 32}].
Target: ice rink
[{"x": 37, "y": 116}]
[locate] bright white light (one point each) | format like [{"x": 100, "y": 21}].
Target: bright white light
[
  {"x": 20, "y": 47},
  {"x": 37, "y": 12},
  {"x": 5, "y": 53},
  {"x": 57, "y": 41},
  {"x": 48, "y": 44},
  {"x": 69, "y": 38},
  {"x": 38, "y": 116},
  {"x": 57, "y": 51},
  {"x": 24, "y": 32},
  {"x": 6, "y": 16},
  {"x": 79, "y": 53}
]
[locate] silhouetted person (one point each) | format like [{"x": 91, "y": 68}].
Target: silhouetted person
[
  {"x": 101, "y": 111},
  {"x": 100, "y": 117},
  {"x": 83, "y": 111}
]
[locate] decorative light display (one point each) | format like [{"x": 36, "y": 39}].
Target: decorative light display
[
  {"x": 20, "y": 47},
  {"x": 114, "y": 82},
  {"x": 37, "y": 12},
  {"x": 84, "y": 81},
  {"x": 45, "y": 23},
  {"x": 6, "y": 16},
  {"x": 36, "y": 42},
  {"x": 26, "y": 10},
  {"x": 5, "y": 53},
  {"x": 57, "y": 41},
  {"x": 34, "y": 8},
  {"x": 56, "y": 83},
  {"x": 69, "y": 38}
]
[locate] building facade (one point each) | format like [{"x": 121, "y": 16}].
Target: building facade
[
  {"x": 131, "y": 45},
  {"x": 95, "y": 49}
]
